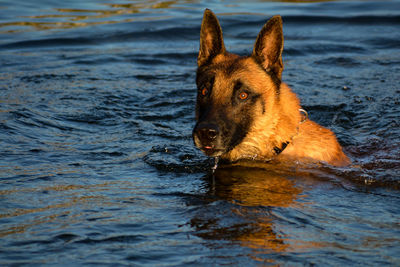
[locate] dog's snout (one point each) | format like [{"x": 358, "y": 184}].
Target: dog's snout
[{"x": 207, "y": 133}]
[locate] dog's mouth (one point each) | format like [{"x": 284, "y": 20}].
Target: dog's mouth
[{"x": 211, "y": 150}]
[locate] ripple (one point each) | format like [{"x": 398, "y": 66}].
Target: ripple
[
  {"x": 97, "y": 161},
  {"x": 339, "y": 61},
  {"x": 177, "y": 159}
]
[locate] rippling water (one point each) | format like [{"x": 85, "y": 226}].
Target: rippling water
[{"x": 97, "y": 164}]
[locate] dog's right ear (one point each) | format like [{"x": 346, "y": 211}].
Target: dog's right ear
[{"x": 211, "y": 41}]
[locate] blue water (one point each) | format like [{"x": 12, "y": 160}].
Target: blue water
[{"x": 97, "y": 164}]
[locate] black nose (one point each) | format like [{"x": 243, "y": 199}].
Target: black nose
[{"x": 207, "y": 132}]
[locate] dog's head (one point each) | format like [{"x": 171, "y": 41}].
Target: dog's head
[{"x": 234, "y": 91}]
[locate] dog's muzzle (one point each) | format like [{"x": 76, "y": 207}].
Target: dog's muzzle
[{"x": 205, "y": 136}]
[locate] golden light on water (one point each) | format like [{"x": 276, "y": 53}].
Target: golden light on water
[
  {"x": 106, "y": 13},
  {"x": 67, "y": 18}
]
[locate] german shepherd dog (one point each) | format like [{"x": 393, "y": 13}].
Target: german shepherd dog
[{"x": 244, "y": 112}]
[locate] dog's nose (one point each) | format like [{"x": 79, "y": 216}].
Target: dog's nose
[{"x": 207, "y": 133}]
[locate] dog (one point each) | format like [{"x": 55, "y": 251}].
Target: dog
[{"x": 244, "y": 112}]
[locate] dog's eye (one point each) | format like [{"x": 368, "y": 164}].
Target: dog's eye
[
  {"x": 243, "y": 95},
  {"x": 204, "y": 91}
]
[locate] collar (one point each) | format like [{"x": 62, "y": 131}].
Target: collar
[
  {"x": 304, "y": 117},
  {"x": 278, "y": 150}
]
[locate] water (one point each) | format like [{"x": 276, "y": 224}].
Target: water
[{"x": 97, "y": 164}]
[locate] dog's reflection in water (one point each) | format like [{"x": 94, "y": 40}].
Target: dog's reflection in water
[{"x": 248, "y": 201}]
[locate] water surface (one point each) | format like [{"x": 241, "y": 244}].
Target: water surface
[{"x": 97, "y": 164}]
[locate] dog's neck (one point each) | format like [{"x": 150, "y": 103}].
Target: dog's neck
[
  {"x": 273, "y": 134},
  {"x": 304, "y": 117}
]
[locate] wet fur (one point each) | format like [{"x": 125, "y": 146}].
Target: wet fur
[{"x": 267, "y": 125}]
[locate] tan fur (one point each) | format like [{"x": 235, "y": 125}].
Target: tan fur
[
  {"x": 279, "y": 120},
  {"x": 308, "y": 140}
]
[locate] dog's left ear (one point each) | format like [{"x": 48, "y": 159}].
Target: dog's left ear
[
  {"x": 211, "y": 41},
  {"x": 269, "y": 46}
]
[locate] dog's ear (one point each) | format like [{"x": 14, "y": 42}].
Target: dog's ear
[
  {"x": 211, "y": 41},
  {"x": 269, "y": 46}
]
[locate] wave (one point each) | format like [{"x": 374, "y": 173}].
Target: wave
[{"x": 153, "y": 32}]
